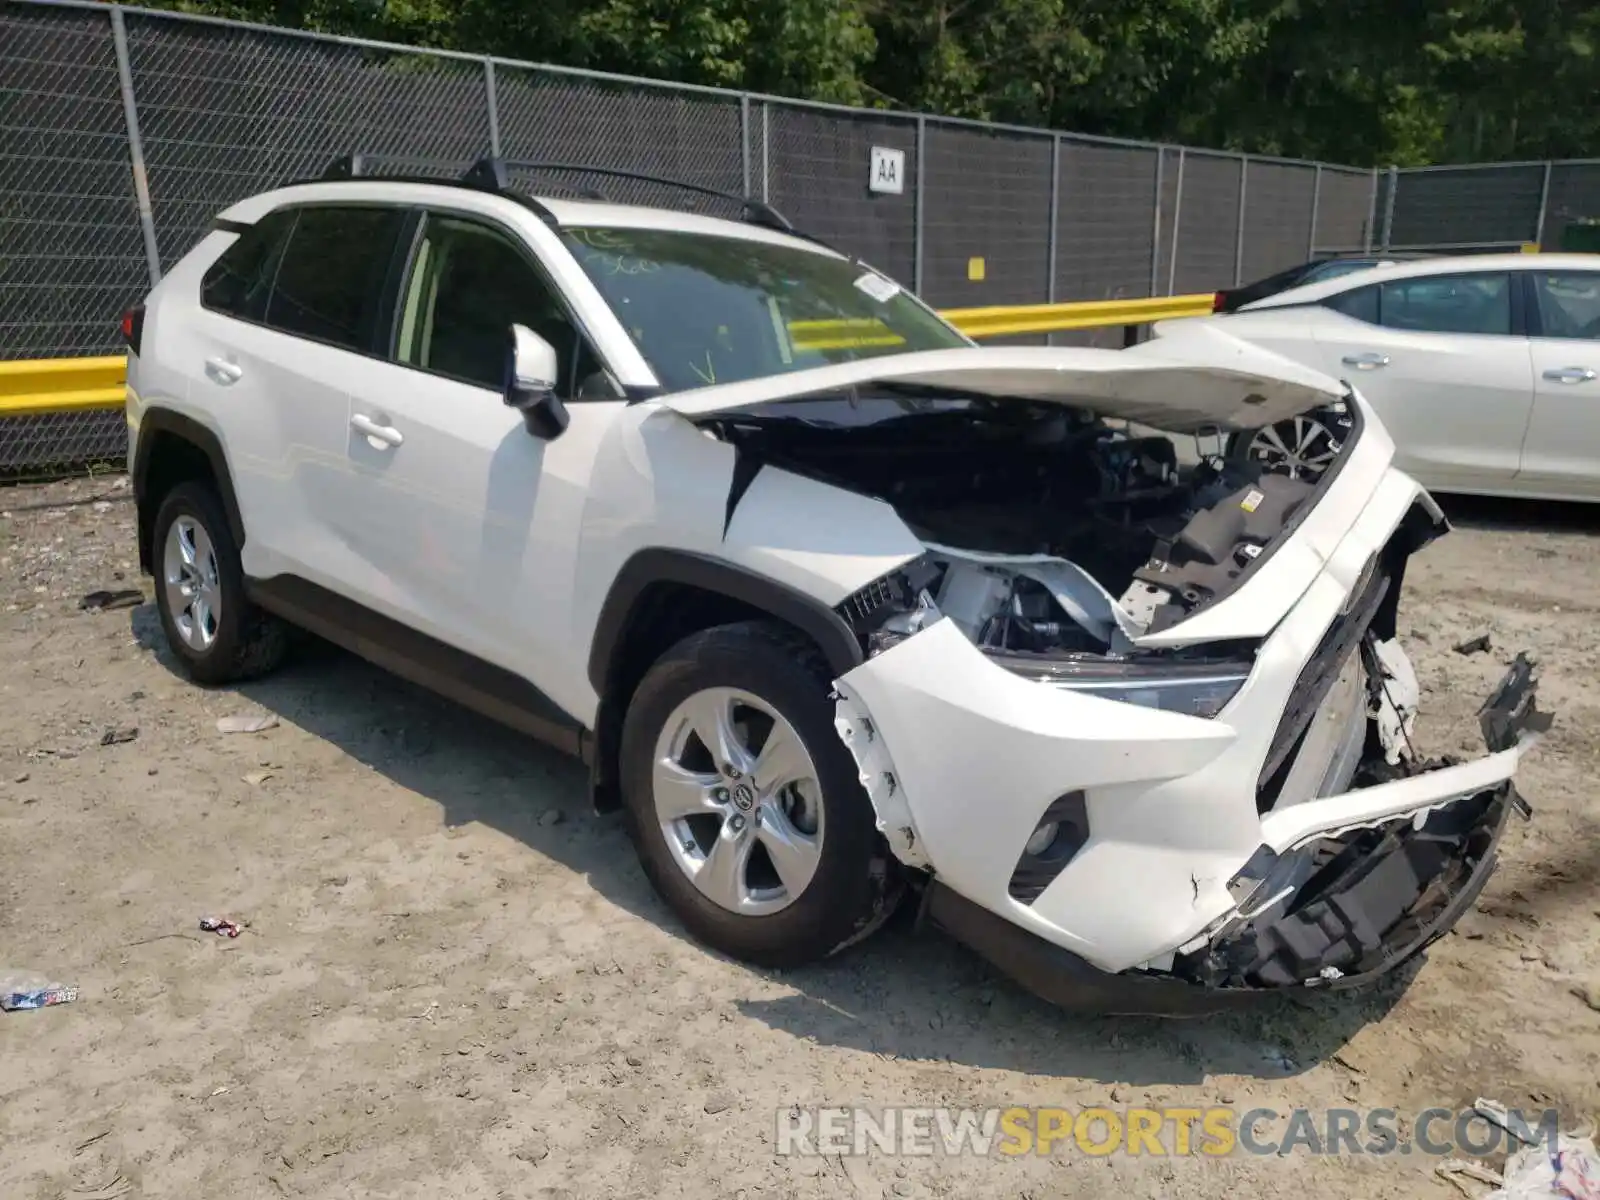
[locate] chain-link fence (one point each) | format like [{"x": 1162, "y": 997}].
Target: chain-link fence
[
  {"x": 124, "y": 131},
  {"x": 1490, "y": 206}
]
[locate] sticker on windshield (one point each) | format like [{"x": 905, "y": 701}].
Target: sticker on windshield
[{"x": 880, "y": 289}]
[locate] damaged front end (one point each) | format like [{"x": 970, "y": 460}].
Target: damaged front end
[
  {"x": 1136, "y": 718},
  {"x": 1344, "y": 908},
  {"x": 1350, "y": 853},
  {"x": 1335, "y": 910}
]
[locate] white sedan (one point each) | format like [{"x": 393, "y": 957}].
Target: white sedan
[{"x": 1485, "y": 369}]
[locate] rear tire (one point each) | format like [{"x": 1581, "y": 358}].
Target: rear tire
[
  {"x": 802, "y": 871},
  {"x": 211, "y": 626}
]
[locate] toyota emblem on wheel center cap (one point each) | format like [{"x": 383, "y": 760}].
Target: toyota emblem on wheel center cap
[{"x": 744, "y": 797}]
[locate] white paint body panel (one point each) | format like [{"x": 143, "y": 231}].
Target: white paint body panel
[
  {"x": 1203, "y": 379},
  {"x": 1561, "y": 454}
]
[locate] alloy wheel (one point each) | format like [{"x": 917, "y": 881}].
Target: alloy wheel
[
  {"x": 194, "y": 593},
  {"x": 1301, "y": 447},
  {"x": 738, "y": 800}
]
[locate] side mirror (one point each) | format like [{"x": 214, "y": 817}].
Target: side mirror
[{"x": 531, "y": 373}]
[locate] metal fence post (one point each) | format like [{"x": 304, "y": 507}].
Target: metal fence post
[
  {"x": 1388, "y": 208},
  {"x": 744, "y": 139},
  {"x": 1055, "y": 226},
  {"x": 1055, "y": 216},
  {"x": 1544, "y": 204},
  {"x": 766, "y": 145},
  {"x": 1177, "y": 224},
  {"x": 494, "y": 107},
  {"x": 1155, "y": 228},
  {"x": 1238, "y": 245},
  {"x": 130, "y": 113},
  {"x": 918, "y": 206},
  {"x": 1316, "y": 204},
  {"x": 1372, "y": 214}
]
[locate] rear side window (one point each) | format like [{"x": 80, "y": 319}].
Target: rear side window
[
  {"x": 239, "y": 282},
  {"x": 1467, "y": 303},
  {"x": 330, "y": 284},
  {"x": 1362, "y": 304}
]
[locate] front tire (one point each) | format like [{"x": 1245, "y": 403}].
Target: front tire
[
  {"x": 210, "y": 624},
  {"x": 744, "y": 804}
]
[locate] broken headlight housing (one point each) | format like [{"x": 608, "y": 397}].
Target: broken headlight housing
[{"x": 1194, "y": 689}]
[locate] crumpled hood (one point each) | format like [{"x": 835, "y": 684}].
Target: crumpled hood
[{"x": 1188, "y": 381}]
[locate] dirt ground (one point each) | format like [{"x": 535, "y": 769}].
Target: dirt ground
[{"x": 456, "y": 981}]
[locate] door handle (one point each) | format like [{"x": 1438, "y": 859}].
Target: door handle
[
  {"x": 223, "y": 371},
  {"x": 1569, "y": 374},
  {"x": 1366, "y": 362},
  {"x": 378, "y": 436}
]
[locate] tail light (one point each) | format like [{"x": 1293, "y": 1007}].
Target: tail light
[
  {"x": 1219, "y": 302},
  {"x": 133, "y": 327}
]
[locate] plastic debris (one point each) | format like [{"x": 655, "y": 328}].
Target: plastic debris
[
  {"x": 106, "y": 601},
  {"x": 1569, "y": 1168},
  {"x": 221, "y": 925},
  {"x": 119, "y": 735},
  {"x": 247, "y": 724},
  {"x": 1513, "y": 1123},
  {"x": 1476, "y": 645},
  {"x": 1452, "y": 1168},
  {"x": 20, "y": 992}
]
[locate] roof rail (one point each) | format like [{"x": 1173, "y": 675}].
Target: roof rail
[
  {"x": 485, "y": 175},
  {"x": 492, "y": 174},
  {"x": 751, "y": 210}
]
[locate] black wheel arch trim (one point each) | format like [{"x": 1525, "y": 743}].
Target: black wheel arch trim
[
  {"x": 659, "y": 565},
  {"x": 156, "y": 421}
]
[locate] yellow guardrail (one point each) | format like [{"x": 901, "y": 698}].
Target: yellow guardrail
[
  {"x": 57, "y": 385},
  {"x": 39, "y": 387},
  {"x": 1083, "y": 314}
]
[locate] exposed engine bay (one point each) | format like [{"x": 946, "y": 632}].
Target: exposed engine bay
[{"x": 1049, "y": 531}]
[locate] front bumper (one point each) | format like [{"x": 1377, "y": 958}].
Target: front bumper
[
  {"x": 962, "y": 759},
  {"x": 1373, "y": 899}
]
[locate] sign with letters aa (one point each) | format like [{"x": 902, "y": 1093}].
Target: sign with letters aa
[{"x": 888, "y": 171}]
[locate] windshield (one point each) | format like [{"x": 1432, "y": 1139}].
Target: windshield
[{"x": 706, "y": 310}]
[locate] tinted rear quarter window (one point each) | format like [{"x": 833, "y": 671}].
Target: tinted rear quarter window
[
  {"x": 239, "y": 282},
  {"x": 330, "y": 284},
  {"x": 1360, "y": 303}
]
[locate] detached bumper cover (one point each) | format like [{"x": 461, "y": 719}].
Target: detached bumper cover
[{"x": 1335, "y": 912}]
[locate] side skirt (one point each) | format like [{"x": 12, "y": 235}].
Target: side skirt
[{"x": 481, "y": 686}]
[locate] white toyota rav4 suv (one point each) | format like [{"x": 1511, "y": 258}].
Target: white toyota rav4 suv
[{"x": 835, "y": 604}]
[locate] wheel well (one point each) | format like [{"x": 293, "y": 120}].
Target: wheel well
[
  {"x": 663, "y": 614},
  {"x": 171, "y": 460}
]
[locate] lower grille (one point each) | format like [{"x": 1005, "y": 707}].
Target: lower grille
[{"x": 1320, "y": 674}]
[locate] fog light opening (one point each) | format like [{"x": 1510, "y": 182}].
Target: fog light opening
[{"x": 1043, "y": 838}]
